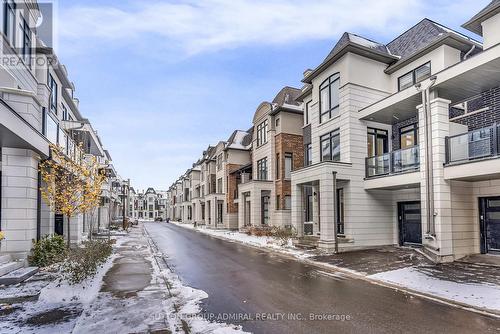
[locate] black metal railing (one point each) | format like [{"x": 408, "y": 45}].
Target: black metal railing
[
  {"x": 473, "y": 145},
  {"x": 393, "y": 162}
]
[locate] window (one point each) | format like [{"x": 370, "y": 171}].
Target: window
[
  {"x": 378, "y": 142},
  {"x": 409, "y": 79},
  {"x": 288, "y": 202},
  {"x": 307, "y": 154},
  {"x": 408, "y": 136},
  {"x": 330, "y": 146},
  {"x": 44, "y": 121},
  {"x": 53, "y": 94},
  {"x": 64, "y": 113},
  {"x": 278, "y": 202},
  {"x": 10, "y": 21},
  {"x": 329, "y": 98},
  {"x": 262, "y": 169},
  {"x": 219, "y": 185},
  {"x": 26, "y": 36},
  {"x": 288, "y": 165},
  {"x": 306, "y": 112},
  {"x": 262, "y": 133},
  {"x": 277, "y": 122},
  {"x": 219, "y": 162},
  {"x": 277, "y": 166}
]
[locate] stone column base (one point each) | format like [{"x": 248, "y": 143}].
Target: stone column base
[{"x": 326, "y": 244}]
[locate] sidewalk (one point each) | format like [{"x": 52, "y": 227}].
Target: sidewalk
[
  {"x": 462, "y": 284},
  {"x": 134, "y": 292}
]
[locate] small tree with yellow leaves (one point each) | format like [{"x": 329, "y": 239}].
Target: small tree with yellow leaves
[{"x": 72, "y": 185}]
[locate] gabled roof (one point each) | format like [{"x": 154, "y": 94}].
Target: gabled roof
[
  {"x": 150, "y": 190},
  {"x": 422, "y": 37},
  {"x": 474, "y": 24}
]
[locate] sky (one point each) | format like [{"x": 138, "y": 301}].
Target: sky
[{"x": 162, "y": 80}]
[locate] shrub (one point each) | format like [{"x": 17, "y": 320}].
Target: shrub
[
  {"x": 283, "y": 235},
  {"x": 260, "y": 231},
  {"x": 83, "y": 262},
  {"x": 47, "y": 251}
]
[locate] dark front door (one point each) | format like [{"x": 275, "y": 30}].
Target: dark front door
[
  {"x": 265, "y": 210},
  {"x": 490, "y": 224},
  {"x": 59, "y": 224},
  {"x": 410, "y": 223}
]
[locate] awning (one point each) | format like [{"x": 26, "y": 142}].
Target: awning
[{"x": 16, "y": 132}]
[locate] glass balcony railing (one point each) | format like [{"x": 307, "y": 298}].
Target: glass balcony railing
[
  {"x": 393, "y": 162},
  {"x": 473, "y": 145}
]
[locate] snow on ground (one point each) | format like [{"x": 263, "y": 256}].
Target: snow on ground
[
  {"x": 478, "y": 295},
  {"x": 262, "y": 242}
]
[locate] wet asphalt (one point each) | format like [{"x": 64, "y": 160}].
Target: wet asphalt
[{"x": 266, "y": 293}]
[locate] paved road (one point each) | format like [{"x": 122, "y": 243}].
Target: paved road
[{"x": 243, "y": 280}]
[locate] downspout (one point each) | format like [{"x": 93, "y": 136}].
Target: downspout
[
  {"x": 469, "y": 52},
  {"x": 429, "y": 175}
]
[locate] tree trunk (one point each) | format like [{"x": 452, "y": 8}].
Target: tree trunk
[{"x": 69, "y": 232}]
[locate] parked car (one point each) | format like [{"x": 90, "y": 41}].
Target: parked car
[{"x": 158, "y": 219}]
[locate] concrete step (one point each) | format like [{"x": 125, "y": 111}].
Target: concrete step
[
  {"x": 5, "y": 259},
  {"x": 18, "y": 275},
  {"x": 10, "y": 266}
]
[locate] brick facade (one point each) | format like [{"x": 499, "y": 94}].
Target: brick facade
[
  {"x": 490, "y": 99},
  {"x": 287, "y": 143}
]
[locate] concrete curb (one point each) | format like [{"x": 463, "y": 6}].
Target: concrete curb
[{"x": 357, "y": 275}]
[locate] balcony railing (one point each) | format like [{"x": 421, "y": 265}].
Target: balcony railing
[
  {"x": 473, "y": 145},
  {"x": 394, "y": 162}
]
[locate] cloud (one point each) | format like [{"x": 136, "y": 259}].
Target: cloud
[{"x": 213, "y": 25}]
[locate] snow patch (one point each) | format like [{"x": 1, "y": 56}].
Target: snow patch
[{"x": 479, "y": 295}]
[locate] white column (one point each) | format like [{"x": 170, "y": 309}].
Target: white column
[
  {"x": 442, "y": 244},
  {"x": 298, "y": 209},
  {"x": 327, "y": 212},
  {"x": 19, "y": 199}
]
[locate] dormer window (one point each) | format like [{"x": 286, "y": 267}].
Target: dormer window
[
  {"x": 329, "y": 98},
  {"x": 419, "y": 74}
]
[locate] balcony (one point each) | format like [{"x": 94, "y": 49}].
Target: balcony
[
  {"x": 471, "y": 156},
  {"x": 473, "y": 145},
  {"x": 396, "y": 162}
]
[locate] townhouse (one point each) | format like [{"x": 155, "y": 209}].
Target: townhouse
[
  {"x": 400, "y": 142},
  {"x": 150, "y": 204},
  {"x": 386, "y": 144},
  {"x": 264, "y": 194},
  {"x": 37, "y": 108}
]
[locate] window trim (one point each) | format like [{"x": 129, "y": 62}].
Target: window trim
[
  {"x": 413, "y": 75},
  {"x": 262, "y": 129},
  {"x": 287, "y": 155},
  {"x": 329, "y": 87},
  {"x": 329, "y": 136},
  {"x": 376, "y": 134},
  {"x": 262, "y": 169},
  {"x": 308, "y": 154},
  {"x": 10, "y": 8}
]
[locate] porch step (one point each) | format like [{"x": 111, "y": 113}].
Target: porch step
[
  {"x": 18, "y": 275},
  {"x": 5, "y": 259},
  {"x": 10, "y": 266}
]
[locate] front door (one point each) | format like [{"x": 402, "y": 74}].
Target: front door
[
  {"x": 410, "y": 223},
  {"x": 489, "y": 216},
  {"x": 59, "y": 224},
  {"x": 265, "y": 210},
  {"x": 220, "y": 208}
]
